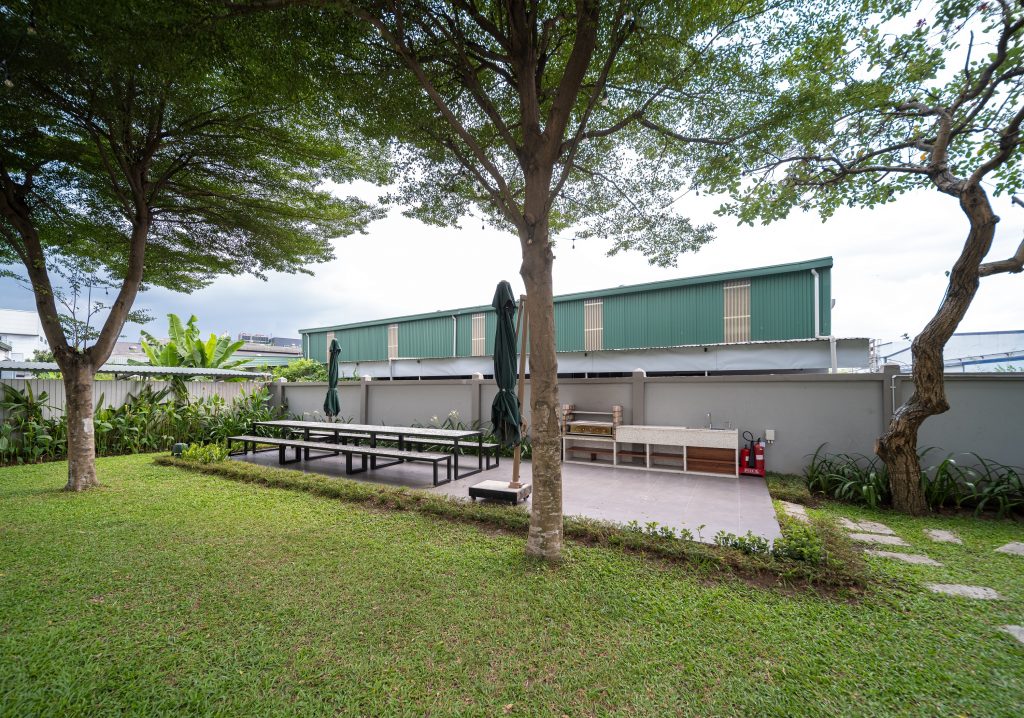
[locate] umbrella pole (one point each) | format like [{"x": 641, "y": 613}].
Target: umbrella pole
[{"x": 521, "y": 336}]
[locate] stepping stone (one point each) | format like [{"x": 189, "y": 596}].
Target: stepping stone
[
  {"x": 904, "y": 557},
  {"x": 1015, "y": 631},
  {"x": 956, "y": 589},
  {"x": 876, "y": 538},
  {"x": 942, "y": 536},
  {"x": 871, "y": 527},
  {"x": 1016, "y": 548},
  {"x": 796, "y": 511}
]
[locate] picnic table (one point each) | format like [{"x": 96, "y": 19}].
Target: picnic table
[{"x": 403, "y": 435}]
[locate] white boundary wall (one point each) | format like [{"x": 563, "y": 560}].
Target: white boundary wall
[{"x": 846, "y": 412}]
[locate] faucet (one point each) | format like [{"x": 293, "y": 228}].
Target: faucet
[{"x": 709, "y": 421}]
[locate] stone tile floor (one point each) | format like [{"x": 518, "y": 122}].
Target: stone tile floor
[{"x": 720, "y": 503}]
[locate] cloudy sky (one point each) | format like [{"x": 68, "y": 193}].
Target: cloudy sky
[{"x": 888, "y": 277}]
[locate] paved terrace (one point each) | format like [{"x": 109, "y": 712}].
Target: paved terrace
[{"x": 736, "y": 505}]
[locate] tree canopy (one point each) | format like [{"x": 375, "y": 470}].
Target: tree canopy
[{"x": 161, "y": 144}]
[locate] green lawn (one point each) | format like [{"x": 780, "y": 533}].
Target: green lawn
[{"x": 170, "y": 593}]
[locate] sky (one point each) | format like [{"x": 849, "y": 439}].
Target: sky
[{"x": 888, "y": 278}]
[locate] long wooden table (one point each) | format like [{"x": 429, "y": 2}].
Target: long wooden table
[{"x": 375, "y": 432}]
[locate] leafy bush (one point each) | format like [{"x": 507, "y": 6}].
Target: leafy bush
[
  {"x": 302, "y": 370},
  {"x": 147, "y": 421},
  {"x": 749, "y": 543},
  {"x": 205, "y": 453},
  {"x": 799, "y": 542},
  {"x": 855, "y": 478},
  {"x": 982, "y": 485}
]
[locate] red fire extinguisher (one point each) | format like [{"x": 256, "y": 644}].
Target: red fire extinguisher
[{"x": 752, "y": 456}]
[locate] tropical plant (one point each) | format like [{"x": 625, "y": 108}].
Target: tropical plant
[
  {"x": 162, "y": 147},
  {"x": 981, "y": 484},
  {"x": 205, "y": 453},
  {"x": 147, "y": 421},
  {"x": 935, "y": 105},
  {"x": 185, "y": 347}
]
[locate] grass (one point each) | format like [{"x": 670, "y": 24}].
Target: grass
[
  {"x": 840, "y": 570},
  {"x": 172, "y": 592},
  {"x": 789, "y": 487}
]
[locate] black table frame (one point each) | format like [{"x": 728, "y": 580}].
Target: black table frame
[{"x": 372, "y": 433}]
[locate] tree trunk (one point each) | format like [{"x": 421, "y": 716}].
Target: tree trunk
[
  {"x": 545, "y": 536},
  {"x": 78, "y": 378},
  {"x": 897, "y": 447}
]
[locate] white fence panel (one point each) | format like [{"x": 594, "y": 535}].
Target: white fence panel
[{"x": 115, "y": 393}]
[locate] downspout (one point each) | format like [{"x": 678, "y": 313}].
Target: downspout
[{"x": 817, "y": 304}]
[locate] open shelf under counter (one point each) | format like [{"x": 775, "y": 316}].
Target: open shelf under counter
[{"x": 678, "y": 449}]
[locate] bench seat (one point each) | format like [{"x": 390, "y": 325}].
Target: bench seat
[
  {"x": 491, "y": 450},
  {"x": 331, "y": 448}
]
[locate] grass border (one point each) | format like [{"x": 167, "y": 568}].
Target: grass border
[{"x": 842, "y": 568}]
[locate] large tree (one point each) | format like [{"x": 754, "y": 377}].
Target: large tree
[
  {"x": 146, "y": 140},
  {"x": 910, "y": 104},
  {"x": 584, "y": 117}
]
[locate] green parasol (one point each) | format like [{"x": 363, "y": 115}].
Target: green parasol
[
  {"x": 332, "y": 405},
  {"x": 505, "y": 415}
]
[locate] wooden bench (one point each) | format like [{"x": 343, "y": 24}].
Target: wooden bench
[
  {"x": 491, "y": 451},
  {"x": 303, "y": 447}
]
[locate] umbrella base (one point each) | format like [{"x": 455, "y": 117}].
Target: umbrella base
[{"x": 499, "y": 491}]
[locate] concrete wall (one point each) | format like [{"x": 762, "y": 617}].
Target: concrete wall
[
  {"x": 986, "y": 416},
  {"x": 845, "y": 411},
  {"x": 115, "y": 392}
]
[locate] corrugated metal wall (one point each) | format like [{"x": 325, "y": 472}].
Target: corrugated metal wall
[
  {"x": 781, "y": 307},
  {"x": 825, "y": 300},
  {"x": 426, "y": 338},
  {"x": 464, "y": 340},
  {"x": 670, "y": 317},
  {"x": 569, "y": 326}
]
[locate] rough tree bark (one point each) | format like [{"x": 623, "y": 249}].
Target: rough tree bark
[
  {"x": 545, "y": 536},
  {"x": 897, "y": 447},
  {"x": 78, "y": 377}
]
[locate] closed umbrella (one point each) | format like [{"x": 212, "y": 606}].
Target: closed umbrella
[
  {"x": 505, "y": 409},
  {"x": 332, "y": 406}
]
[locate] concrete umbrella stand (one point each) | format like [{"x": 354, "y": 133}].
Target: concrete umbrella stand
[{"x": 506, "y": 411}]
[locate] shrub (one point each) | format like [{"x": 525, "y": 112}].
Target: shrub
[
  {"x": 799, "y": 542},
  {"x": 982, "y": 485},
  {"x": 147, "y": 421},
  {"x": 205, "y": 453}
]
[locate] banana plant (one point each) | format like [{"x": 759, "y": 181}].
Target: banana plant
[{"x": 186, "y": 348}]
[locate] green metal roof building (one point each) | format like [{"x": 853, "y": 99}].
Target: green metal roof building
[{"x": 776, "y": 303}]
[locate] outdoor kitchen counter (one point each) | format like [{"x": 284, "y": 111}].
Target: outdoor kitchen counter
[{"x": 698, "y": 461}]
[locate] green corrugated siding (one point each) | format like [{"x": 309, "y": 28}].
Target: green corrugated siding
[
  {"x": 826, "y": 301},
  {"x": 569, "y": 326},
  {"x": 782, "y": 306},
  {"x": 316, "y": 346},
  {"x": 464, "y": 341},
  {"x": 685, "y": 312},
  {"x": 364, "y": 343},
  {"x": 669, "y": 317},
  {"x": 425, "y": 338},
  {"x": 490, "y": 326}
]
